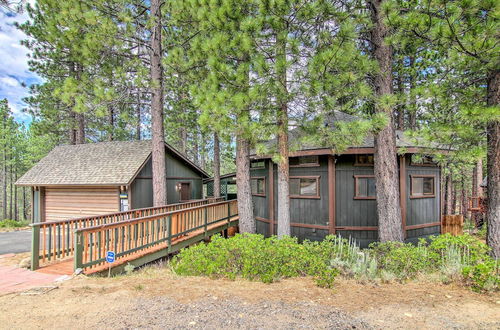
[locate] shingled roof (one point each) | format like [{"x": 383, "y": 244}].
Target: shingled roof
[
  {"x": 295, "y": 137},
  {"x": 105, "y": 163}
]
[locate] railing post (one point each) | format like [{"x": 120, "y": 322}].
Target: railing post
[
  {"x": 169, "y": 232},
  {"x": 228, "y": 214},
  {"x": 35, "y": 247},
  {"x": 78, "y": 250},
  {"x": 206, "y": 220}
]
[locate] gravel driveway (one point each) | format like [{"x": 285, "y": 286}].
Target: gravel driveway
[
  {"x": 15, "y": 241},
  {"x": 214, "y": 313}
]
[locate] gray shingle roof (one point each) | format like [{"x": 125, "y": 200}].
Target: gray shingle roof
[
  {"x": 104, "y": 163},
  {"x": 295, "y": 136}
]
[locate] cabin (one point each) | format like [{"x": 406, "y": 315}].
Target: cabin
[
  {"x": 75, "y": 181},
  {"x": 334, "y": 193}
]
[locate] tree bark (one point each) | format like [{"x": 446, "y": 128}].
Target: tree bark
[
  {"x": 477, "y": 191},
  {"x": 183, "y": 135},
  {"x": 390, "y": 226},
  {"x": 464, "y": 196},
  {"x": 139, "y": 117},
  {"x": 158, "y": 135},
  {"x": 216, "y": 165},
  {"x": 412, "y": 114},
  {"x": 282, "y": 121},
  {"x": 448, "y": 196},
  {"x": 16, "y": 208},
  {"x": 244, "y": 193},
  {"x": 11, "y": 193},
  {"x": 80, "y": 117},
  {"x": 493, "y": 167},
  {"x": 111, "y": 122},
  {"x": 453, "y": 198},
  {"x": 4, "y": 183}
]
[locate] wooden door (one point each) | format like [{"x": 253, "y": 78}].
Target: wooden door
[{"x": 185, "y": 191}]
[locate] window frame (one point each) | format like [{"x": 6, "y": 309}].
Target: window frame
[
  {"x": 433, "y": 176},
  {"x": 358, "y": 163},
  {"x": 265, "y": 186},
  {"x": 318, "y": 187},
  {"x": 356, "y": 191},
  {"x": 305, "y": 164},
  {"x": 259, "y": 167}
]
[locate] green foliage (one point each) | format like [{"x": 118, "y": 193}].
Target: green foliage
[
  {"x": 483, "y": 276},
  {"x": 8, "y": 223},
  {"x": 461, "y": 259},
  {"x": 255, "y": 258}
]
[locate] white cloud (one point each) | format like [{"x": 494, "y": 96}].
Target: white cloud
[{"x": 14, "y": 69}]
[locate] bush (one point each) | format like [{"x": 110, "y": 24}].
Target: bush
[
  {"x": 404, "y": 261},
  {"x": 8, "y": 223},
  {"x": 454, "y": 258},
  {"x": 255, "y": 258},
  {"x": 483, "y": 276}
]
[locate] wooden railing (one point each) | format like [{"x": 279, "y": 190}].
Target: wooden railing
[
  {"x": 135, "y": 238},
  {"x": 53, "y": 240}
]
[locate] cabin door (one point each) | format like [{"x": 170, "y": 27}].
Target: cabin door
[{"x": 185, "y": 191}]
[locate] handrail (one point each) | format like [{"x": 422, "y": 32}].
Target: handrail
[
  {"x": 57, "y": 237},
  {"x": 115, "y": 224},
  {"x": 134, "y": 211},
  {"x": 136, "y": 237}
]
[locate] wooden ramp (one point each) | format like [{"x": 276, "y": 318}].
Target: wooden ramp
[{"x": 137, "y": 241}]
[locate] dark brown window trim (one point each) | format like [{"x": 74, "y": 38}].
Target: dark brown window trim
[
  {"x": 318, "y": 194},
  {"x": 265, "y": 188},
  {"x": 422, "y": 176},
  {"x": 357, "y": 163},
  {"x": 315, "y": 164},
  {"x": 356, "y": 177}
]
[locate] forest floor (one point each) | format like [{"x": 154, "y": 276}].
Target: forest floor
[{"x": 154, "y": 297}]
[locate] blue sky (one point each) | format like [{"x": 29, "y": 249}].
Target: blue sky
[{"x": 14, "y": 71}]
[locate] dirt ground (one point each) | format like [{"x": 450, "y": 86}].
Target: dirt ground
[{"x": 155, "y": 298}]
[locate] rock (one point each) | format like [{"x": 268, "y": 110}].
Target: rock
[
  {"x": 25, "y": 263},
  {"x": 78, "y": 271}
]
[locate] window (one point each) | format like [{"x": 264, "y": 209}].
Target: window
[
  {"x": 364, "y": 187},
  {"x": 258, "y": 186},
  {"x": 364, "y": 160},
  {"x": 257, "y": 164},
  {"x": 304, "y": 187},
  {"x": 422, "y": 186},
  {"x": 304, "y": 161}
]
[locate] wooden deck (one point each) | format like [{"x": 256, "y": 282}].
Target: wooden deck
[{"x": 66, "y": 266}]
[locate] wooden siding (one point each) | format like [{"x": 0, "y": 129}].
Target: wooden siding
[
  {"x": 177, "y": 171},
  {"x": 74, "y": 202},
  {"x": 355, "y": 218},
  {"x": 422, "y": 210}
]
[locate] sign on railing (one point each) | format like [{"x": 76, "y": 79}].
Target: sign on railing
[{"x": 55, "y": 240}]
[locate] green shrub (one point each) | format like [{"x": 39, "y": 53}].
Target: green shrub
[
  {"x": 255, "y": 258},
  {"x": 484, "y": 276},
  {"x": 404, "y": 261},
  {"x": 471, "y": 249},
  {"x": 8, "y": 223}
]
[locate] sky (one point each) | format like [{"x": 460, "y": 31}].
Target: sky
[{"x": 14, "y": 70}]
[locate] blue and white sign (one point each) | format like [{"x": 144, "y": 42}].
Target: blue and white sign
[{"x": 110, "y": 257}]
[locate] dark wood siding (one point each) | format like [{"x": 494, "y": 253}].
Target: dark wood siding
[{"x": 177, "y": 172}]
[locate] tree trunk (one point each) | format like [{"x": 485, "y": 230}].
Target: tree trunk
[
  {"x": 72, "y": 130},
  {"x": 282, "y": 121},
  {"x": 412, "y": 114},
  {"x": 453, "y": 198},
  {"x": 245, "y": 204},
  {"x": 139, "y": 117},
  {"x": 464, "y": 196},
  {"x": 111, "y": 123},
  {"x": 448, "y": 196},
  {"x": 493, "y": 166},
  {"x": 216, "y": 166},
  {"x": 182, "y": 143},
  {"x": 158, "y": 134},
  {"x": 196, "y": 149},
  {"x": 386, "y": 167},
  {"x": 4, "y": 188},
  {"x": 80, "y": 132},
  {"x": 16, "y": 209},
  {"x": 401, "y": 108},
  {"x": 25, "y": 206},
  {"x": 11, "y": 193},
  {"x": 477, "y": 191}
]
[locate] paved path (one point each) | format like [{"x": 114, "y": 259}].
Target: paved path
[
  {"x": 15, "y": 241},
  {"x": 15, "y": 279}
]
